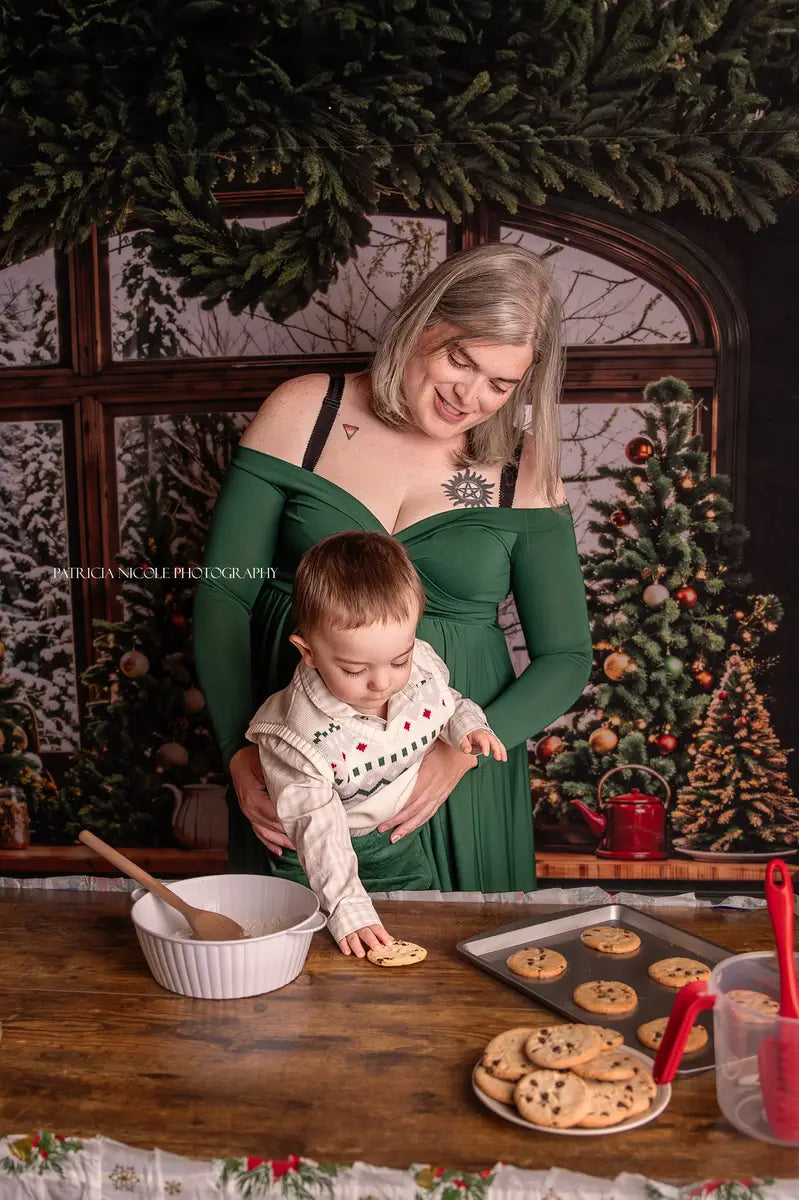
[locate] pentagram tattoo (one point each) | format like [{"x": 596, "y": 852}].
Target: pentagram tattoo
[{"x": 469, "y": 489}]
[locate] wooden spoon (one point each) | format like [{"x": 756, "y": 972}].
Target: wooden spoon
[{"x": 207, "y": 926}]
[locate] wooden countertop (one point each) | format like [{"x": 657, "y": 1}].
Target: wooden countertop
[{"x": 349, "y": 1062}]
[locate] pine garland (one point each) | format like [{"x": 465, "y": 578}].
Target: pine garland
[{"x": 120, "y": 111}]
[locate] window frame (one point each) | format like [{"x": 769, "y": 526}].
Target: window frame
[{"x": 87, "y": 389}]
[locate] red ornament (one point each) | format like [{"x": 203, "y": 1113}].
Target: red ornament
[
  {"x": 619, "y": 518},
  {"x": 639, "y": 450},
  {"x": 548, "y": 747},
  {"x": 686, "y": 596},
  {"x": 704, "y": 679},
  {"x": 665, "y": 742},
  {"x": 723, "y": 694},
  {"x": 178, "y": 620}
]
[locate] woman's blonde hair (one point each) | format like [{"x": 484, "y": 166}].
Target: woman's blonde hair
[
  {"x": 498, "y": 293},
  {"x": 352, "y": 579}
]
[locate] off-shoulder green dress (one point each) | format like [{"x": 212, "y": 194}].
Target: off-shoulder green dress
[{"x": 269, "y": 512}]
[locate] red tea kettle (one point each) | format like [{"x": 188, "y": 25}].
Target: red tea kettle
[{"x": 633, "y": 826}]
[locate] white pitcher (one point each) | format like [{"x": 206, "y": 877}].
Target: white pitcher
[{"x": 200, "y": 816}]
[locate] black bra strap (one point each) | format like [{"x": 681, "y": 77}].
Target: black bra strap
[
  {"x": 324, "y": 422},
  {"x": 507, "y": 481}
]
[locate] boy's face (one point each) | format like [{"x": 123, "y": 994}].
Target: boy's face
[{"x": 363, "y": 667}]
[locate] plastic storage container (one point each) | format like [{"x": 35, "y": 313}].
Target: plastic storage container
[{"x": 228, "y": 970}]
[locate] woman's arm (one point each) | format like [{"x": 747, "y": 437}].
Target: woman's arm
[
  {"x": 549, "y": 591},
  {"x": 243, "y": 535}
]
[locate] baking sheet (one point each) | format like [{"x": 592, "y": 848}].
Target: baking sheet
[{"x": 489, "y": 951}]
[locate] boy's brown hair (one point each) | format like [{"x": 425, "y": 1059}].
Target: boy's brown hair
[{"x": 352, "y": 579}]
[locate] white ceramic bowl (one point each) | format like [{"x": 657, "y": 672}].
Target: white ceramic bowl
[{"x": 228, "y": 970}]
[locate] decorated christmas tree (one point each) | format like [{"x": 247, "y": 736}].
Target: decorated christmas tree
[
  {"x": 20, "y": 766},
  {"x": 665, "y": 595},
  {"x": 738, "y": 796},
  {"x": 148, "y": 723}
]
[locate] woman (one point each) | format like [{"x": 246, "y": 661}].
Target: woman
[{"x": 431, "y": 446}]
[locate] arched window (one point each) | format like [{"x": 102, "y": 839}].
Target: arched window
[{"x": 109, "y": 378}]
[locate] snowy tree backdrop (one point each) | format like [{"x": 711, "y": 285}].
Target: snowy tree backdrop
[
  {"x": 189, "y": 453},
  {"x": 36, "y": 608}
]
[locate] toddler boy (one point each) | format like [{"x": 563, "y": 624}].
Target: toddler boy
[{"x": 342, "y": 745}]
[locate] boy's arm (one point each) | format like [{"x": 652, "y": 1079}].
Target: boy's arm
[
  {"x": 315, "y": 821},
  {"x": 468, "y": 716}
]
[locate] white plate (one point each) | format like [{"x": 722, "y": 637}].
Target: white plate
[
  {"x": 730, "y": 855},
  {"x": 509, "y": 1113}
]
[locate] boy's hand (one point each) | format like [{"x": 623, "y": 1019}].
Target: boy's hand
[
  {"x": 368, "y": 938},
  {"x": 483, "y": 741}
]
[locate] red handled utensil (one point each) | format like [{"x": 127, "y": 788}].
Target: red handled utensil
[
  {"x": 689, "y": 1002},
  {"x": 778, "y": 1056}
]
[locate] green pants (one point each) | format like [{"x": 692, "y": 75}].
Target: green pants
[{"x": 382, "y": 866}]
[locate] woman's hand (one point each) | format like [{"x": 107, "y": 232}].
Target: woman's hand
[
  {"x": 248, "y": 780},
  {"x": 442, "y": 767}
]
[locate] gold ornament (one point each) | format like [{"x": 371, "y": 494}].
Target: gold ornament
[
  {"x": 134, "y": 664},
  {"x": 711, "y": 514},
  {"x": 172, "y": 754},
  {"x": 687, "y": 483},
  {"x": 602, "y": 741},
  {"x": 701, "y": 573},
  {"x": 655, "y": 595},
  {"x": 617, "y": 665},
  {"x": 193, "y": 700}
]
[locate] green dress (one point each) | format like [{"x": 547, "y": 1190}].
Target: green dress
[{"x": 269, "y": 512}]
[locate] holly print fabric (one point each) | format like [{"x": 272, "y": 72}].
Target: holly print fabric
[{"x": 50, "y": 1166}]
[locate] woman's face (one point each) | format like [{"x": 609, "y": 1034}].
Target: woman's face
[{"x": 449, "y": 391}]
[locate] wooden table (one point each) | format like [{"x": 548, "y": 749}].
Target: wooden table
[{"x": 347, "y": 1063}]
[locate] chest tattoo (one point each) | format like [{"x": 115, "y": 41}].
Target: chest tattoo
[
  {"x": 350, "y": 430},
  {"x": 469, "y": 489}
]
